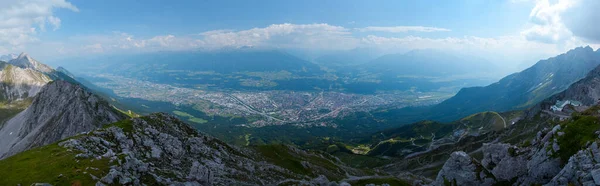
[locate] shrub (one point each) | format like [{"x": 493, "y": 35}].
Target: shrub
[{"x": 578, "y": 133}]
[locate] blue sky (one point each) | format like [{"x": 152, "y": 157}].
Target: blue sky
[
  {"x": 508, "y": 30},
  {"x": 154, "y": 17}
]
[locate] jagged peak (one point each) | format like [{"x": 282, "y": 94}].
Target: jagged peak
[
  {"x": 23, "y": 55},
  {"x": 25, "y": 61},
  {"x": 581, "y": 49},
  {"x": 8, "y": 57},
  {"x": 60, "y": 110}
]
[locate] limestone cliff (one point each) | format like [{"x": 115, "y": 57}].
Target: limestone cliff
[{"x": 58, "y": 111}]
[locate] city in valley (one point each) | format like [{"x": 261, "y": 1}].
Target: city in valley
[{"x": 277, "y": 107}]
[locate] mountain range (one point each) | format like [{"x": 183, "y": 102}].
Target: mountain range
[
  {"x": 517, "y": 91},
  {"x": 539, "y": 126},
  {"x": 429, "y": 63},
  {"x": 252, "y": 69},
  {"x": 554, "y": 153},
  {"x": 352, "y": 57},
  {"x": 75, "y": 129}
]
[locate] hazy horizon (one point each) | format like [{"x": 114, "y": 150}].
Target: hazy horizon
[{"x": 512, "y": 34}]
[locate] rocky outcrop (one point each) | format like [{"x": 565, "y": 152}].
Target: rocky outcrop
[
  {"x": 461, "y": 169},
  {"x": 583, "y": 168},
  {"x": 59, "y": 111},
  {"x": 161, "y": 149},
  {"x": 503, "y": 162},
  {"x": 537, "y": 164}
]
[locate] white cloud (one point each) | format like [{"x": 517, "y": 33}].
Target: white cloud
[
  {"x": 582, "y": 20},
  {"x": 504, "y": 50},
  {"x": 509, "y": 44},
  {"x": 546, "y": 24},
  {"x": 120, "y": 41},
  {"x": 94, "y": 48},
  {"x": 507, "y": 49},
  {"x": 20, "y": 20},
  {"x": 564, "y": 21},
  {"x": 54, "y": 21},
  {"x": 398, "y": 29},
  {"x": 319, "y": 36}
]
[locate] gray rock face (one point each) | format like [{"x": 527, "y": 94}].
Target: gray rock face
[
  {"x": 534, "y": 165},
  {"x": 502, "y": 160},
  {"x": 542, "y": 165},
  {"x": 461, "y": 169},
  {"x": 60, "y": 110},
  {"x": 161, "y": 149},
  {"x": 582, "y": 169}
]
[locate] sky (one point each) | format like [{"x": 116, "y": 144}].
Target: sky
[{"x": 506, "y": 31}]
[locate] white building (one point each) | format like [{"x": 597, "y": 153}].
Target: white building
[{"x": 560, "y": 105}]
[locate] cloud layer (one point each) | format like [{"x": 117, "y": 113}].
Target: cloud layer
[
  {"x": 563, "y": 21},
  {"x": 398, "y": 29},
  {"x": 553, "y": 27},
  {"x": 20, "y": 21}
]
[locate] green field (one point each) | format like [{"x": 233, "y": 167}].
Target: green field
[{"x": 190, "y": 117}]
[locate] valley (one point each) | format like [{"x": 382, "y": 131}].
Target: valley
[
  {"x": 303, "y": 137},
  {"x": 267, "y": 107},
  {"x": 299, "y": 93}
]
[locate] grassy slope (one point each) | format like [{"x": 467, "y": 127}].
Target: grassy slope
[
  {"x": 55, "y": 165},
  {"x": 47, "y": 164},
  {"x": 283, "y": 156},
  {"x": 7, "y": 110}
]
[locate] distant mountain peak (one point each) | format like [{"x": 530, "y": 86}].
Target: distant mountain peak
[
  {"x": 8, "y": 57},
  {"x": 20, "y": 83},
  {"x": 25, "y": 61},
  {"x": 23, "y": 55},
  {"x": 523, "y": 89},
  {"x": 581, "y": 49}
]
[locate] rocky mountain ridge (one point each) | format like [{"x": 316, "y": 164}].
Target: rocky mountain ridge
[
  {"x": 25, "y": 61},
  {"x": 520, "y": 90},
  {"x": 159, "y": 149},
  {"x": 564, "y": 151},
  {"x": 537, "y": 164},
  {"x": 8, "y": 57},
  {"x": 58, "y": 111}
]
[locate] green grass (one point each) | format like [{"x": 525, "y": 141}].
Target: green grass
[
  {"x": 391, "y": 148},
  {"x": 190, "y": 117},
  {"x": 8, "y": 110},
  {"x": 361, "y": 161},
  {"x": 578, "y": 133},
  {"x": 486, "y": 120},
  {"x": 129, "y": 113},
  {"x": 279, "y": 155},
  {"x": 45, "y": 164},
  {"x": 282, "y": 156},
  {"x": 126, "y": 125},
  {"x": 6, "y": 114}
]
